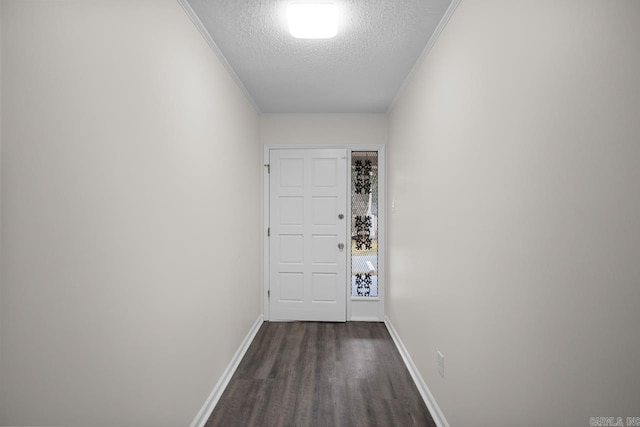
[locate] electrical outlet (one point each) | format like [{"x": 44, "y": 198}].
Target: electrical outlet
[{"x": 441, "y": 364}]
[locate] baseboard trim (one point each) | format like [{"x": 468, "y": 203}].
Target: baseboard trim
[
  {"x": 218, "y": 389},
  {"x": 428, "y": 398},
  {"x": 365, "y": 319}
]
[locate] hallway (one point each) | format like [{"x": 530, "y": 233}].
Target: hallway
[{"x": 134, "y": 232}]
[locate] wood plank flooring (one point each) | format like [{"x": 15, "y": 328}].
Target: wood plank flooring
[{"x": 321, "y": 374}]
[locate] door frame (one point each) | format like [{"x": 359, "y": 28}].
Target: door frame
[{"x": 358, "y": 308}]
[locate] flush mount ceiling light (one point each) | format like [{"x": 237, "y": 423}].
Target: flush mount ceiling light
[{"x": 313, "y": 20}]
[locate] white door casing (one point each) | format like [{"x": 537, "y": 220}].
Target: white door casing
[{"x": 308, "y": 238}]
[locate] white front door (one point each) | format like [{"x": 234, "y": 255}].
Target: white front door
[{"x": 308, "y": 234}]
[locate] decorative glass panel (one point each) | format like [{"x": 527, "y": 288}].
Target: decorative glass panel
[{"x": 364, "y": 223}]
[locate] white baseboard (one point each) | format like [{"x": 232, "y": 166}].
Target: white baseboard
[
  {"x": 216, "y": 393},
  {"x": 428, "y": 398},
  {"x": 365, "y": 319}
]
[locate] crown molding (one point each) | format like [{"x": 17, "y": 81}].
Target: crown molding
[
  {"x": 425, "y": 52},
  {"x": 214, "y": 47}
]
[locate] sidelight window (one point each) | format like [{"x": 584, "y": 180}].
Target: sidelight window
[{"x": 364, "y": 223}]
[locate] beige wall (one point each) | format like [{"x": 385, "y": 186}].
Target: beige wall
[
  {"x": 323, "y": 129},
  {"x": 129, "y": 202},
  {"x": 514, "y": 165}
]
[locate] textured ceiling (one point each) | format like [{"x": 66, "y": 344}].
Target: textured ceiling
[{"x": 361, "y": 70}]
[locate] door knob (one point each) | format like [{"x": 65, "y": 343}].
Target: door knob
[
  {"x": 340, "y": 216},
  {"x": 341, "y": 246}
]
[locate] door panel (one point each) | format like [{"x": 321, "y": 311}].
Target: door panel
[{"x": 307, "y": 266}]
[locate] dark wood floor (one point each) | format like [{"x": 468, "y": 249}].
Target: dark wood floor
[{"x": 321, "y": 374}]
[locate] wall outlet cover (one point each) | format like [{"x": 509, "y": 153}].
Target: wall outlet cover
[{"x": 441, "y": 364}]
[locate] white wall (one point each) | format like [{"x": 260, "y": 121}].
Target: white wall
[
  {"x": 324, "y": 129},
  {"x": 514, "y": 246},
  {"x": 130, "y": 198}
]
